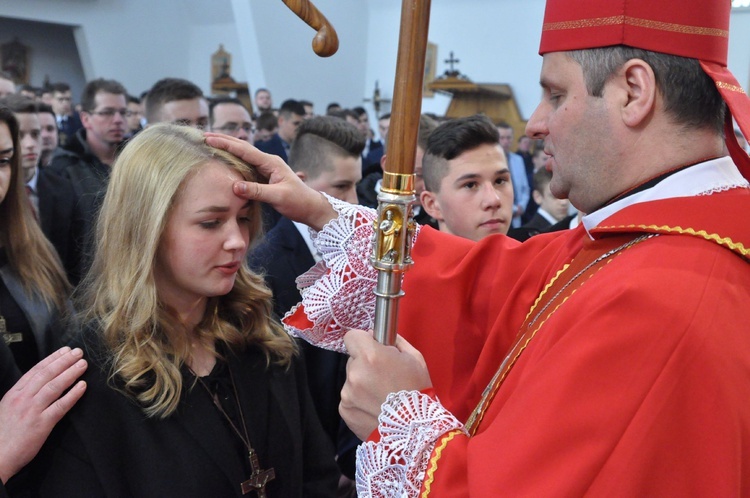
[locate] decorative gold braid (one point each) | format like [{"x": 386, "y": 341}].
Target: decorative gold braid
[
  {"x": 583, "y": 23},
  {"x": 473, "y": 423},
  {"x": 475, "y": 419},
  {"x": 437, "y": 453},
  {"x": 737, "y": 247},
  {"x": 677, "y": 28},
  {"x": 731, "y": 88},
  {"x": 634, "y": 21},
  {"x": 546, "y": 288}
]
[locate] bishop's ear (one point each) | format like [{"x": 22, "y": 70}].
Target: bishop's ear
[{"x": 640, "y": 93}]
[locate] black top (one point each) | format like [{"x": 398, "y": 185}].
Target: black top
[
  {"x": 25, "y": 351},
  {"x": 106, "y": 446}
]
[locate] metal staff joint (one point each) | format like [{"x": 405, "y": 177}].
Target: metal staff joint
[{"x": 394, "y": 230}]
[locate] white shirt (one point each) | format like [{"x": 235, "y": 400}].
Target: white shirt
[{"x": 304, "y": 230}]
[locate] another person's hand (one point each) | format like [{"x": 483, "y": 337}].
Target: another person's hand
[
  {"x": 372, "y": 373},
  {"x": 285, "y": 191},
  {"x": 32, "y": 407}
]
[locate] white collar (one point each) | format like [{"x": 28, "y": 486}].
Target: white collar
[
  {"x": 304, "y": 231},
  {"x": 544, "y": 214},
  {"x": 704, "y": 178},
  {"x": 32, "y": 183}
]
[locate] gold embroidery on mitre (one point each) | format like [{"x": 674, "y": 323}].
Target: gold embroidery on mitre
[
  {"x": 584, "y": 23},
  {"x": 634, "y": 21},
  {"x": 727, "y": 242},
  {"x": 730, "y": 87},
  {"x": 432, "y": 467}
]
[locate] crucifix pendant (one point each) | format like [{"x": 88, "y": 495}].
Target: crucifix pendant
[
  {"x": 259, "y": 477},
  {"x": 8, "y": 337}
]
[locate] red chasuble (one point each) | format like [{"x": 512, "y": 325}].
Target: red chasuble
[{"x": 636, "y": 380}]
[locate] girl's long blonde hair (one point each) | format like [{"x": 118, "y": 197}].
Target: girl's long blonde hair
[{"x": 147, "y": 346}]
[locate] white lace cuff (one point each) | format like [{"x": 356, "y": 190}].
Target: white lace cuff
[
  {"x": 338, "y": 293},
  {"x": 410, "y": 425}
]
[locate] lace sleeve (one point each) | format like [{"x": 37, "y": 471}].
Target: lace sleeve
[
  {"x": 410, "y": 425},
  {"x": 337, "y": 293}
]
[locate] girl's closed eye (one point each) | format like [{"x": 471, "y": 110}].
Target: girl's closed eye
[{"x": 210, "y": 224}]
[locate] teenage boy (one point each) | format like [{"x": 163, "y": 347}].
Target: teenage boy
[{"x": 468, "y": 187}]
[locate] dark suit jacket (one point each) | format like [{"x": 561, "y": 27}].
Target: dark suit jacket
[
  {"x": 371, "y": 162},
  {"x": 9, "y": 373},
  {"x": 71, "y": 189},
  {"x": 366, "y": 194},
  {"x": 68, "y": 127},
  {"x": 107, "y": 447},
  {"x": 275, "y": 146},
  {"x": 538, "y": 221},
  {"x": 535, "y": 226},
  {"x": 282, "y": 257}
]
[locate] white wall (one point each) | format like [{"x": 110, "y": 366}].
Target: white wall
[
  {"x": 134, "y": 42},
  {"x": 495, "y": 41},
  {"x": 140, "y": 41},
  {"x": 52, "y": 51},
  {"x": 739, "y": 47},
  {"x": 293, "y": 70}
]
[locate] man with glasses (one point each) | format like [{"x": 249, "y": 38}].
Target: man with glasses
[
  {"x": 227, "y": 115},
  {"x": 71, "y": 187}
]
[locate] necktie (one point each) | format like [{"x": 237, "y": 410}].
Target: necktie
[{"x": 31, "y": 197}]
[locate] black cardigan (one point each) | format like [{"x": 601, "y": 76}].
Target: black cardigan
[{"x": 107, "y": 447}]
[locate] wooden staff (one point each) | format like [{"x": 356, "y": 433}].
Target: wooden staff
[
  {"x": 394, "y": 226},
  {"x": 326, "y": 41}
]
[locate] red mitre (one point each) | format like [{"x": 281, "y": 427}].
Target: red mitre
[{"x": 698, "y": 29}]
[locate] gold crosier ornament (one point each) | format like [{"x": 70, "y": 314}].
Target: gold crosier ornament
[{"x": 394, "y": 226}]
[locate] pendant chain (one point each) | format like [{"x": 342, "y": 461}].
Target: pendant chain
[{"x": 259, "y": 477}]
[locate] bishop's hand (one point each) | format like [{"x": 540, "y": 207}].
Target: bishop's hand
[
  {"x": 285, "y": 191},
  {"x": 372, "y": 373}
]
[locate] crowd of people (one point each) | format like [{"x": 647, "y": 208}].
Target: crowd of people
[
  {"x": 71, "y": 274},
  {"x": 574, "y": 300}
]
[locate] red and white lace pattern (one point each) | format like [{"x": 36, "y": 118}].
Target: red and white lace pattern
[
  {"x": 410, "y": 424},
  {"x": 338, "y": 293}
]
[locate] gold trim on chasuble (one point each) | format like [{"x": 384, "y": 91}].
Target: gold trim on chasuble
[
  {"x": 437, "y": 452},
  {"x": 635, "y": 21},
  {"x": 727, "y": 242},
  {"x": 584, "y": 265}
]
